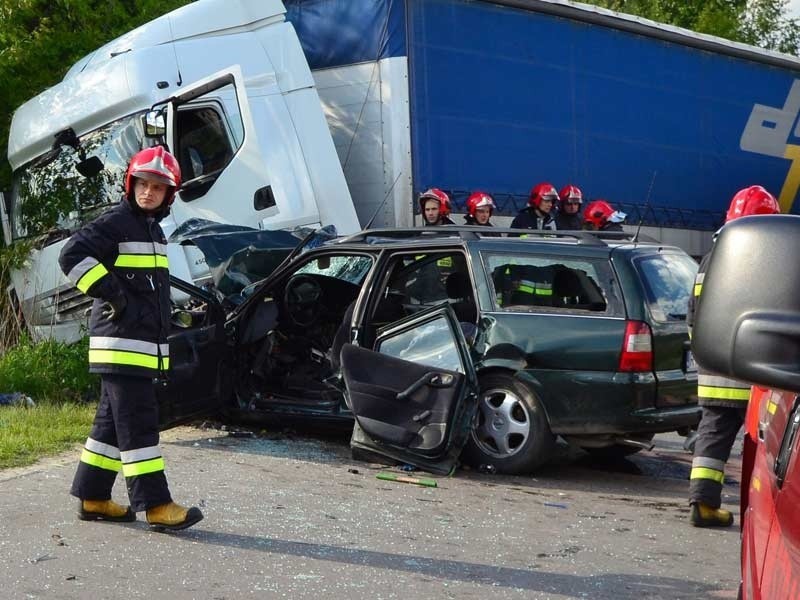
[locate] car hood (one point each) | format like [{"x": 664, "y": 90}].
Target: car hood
[{"x": 238, "y": 256}]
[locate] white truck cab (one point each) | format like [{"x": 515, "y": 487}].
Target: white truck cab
[{"x": 225, "y": 85}]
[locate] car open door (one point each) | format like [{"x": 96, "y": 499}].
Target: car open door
[
  {"x": 414, "y": 394},
  {"x": 196, "y": 382}
]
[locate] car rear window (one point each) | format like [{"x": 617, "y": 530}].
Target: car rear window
[
  {"x": 533, "y": 283},
  {"x": 668, "y": 280}
]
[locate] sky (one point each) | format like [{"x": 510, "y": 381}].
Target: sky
[{"x": 794, "y": 8}]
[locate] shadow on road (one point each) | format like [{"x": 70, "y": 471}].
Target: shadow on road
[{"x": 600, "y": 587}]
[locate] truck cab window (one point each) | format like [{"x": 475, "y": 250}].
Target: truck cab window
[{"x": 208, "y": 134}]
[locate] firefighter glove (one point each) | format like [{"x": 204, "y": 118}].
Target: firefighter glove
[{"x": 112, "y": 309}]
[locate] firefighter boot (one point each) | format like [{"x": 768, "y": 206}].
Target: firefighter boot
[
  {"x": 172, "y": 517},
  {"x": 105, "y": 510},
  {"x": 705, "y": 516}
]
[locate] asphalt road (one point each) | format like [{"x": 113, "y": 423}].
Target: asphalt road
[{"x": 293, "y": 516}]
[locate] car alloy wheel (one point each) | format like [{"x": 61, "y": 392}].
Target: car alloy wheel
[{"x": 503, "y": 424}]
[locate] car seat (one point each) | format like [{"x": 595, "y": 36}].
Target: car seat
[{"x": 459, "y": 289}]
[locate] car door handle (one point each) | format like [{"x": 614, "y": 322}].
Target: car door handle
[{"x": 432, "y": 379}]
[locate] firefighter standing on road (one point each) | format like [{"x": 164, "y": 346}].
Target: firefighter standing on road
[
  {"x": 120, "y": 259},
  {"x": 539, "y": 212},
  {"x": 434, "y": 205},
  {"x": 723, "y": 400}
]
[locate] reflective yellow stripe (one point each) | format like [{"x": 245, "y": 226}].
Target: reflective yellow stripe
[
  {"x": 91, "y": 277},
  {"x": 698, "y": 287},
  {"x": 100, "y": 461},
  {"x": 706, "y": 473},
  {"x": 447, "y": 261},
  {"x": 544, "y": 291},
  {"x": 771, "y": 407},
  {"x": 144, "y": 467},
  {"x": 133, "y": 359},
  {"x": 526, "y": 289},
  {"x": 142, "y": 261},
  {"x": 706, "y": 391}
]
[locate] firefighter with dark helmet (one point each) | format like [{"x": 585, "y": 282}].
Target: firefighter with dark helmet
[
  {"x": 539, "y": 212},
  {"x": 480, "y": 207},
  {"x": 723, "y": 400},
  {"x": 434, "y": 206},
  {"x": 120, "y": 259}
]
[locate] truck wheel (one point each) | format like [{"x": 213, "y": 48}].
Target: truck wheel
[{"x": 511, "y": 432}]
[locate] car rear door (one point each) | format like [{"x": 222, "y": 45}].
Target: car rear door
[{"x": 414, "y": 394}]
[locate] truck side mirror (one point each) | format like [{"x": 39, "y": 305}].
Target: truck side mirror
[
  {"x": 747, "y": 324},
  {"x": 155, "y": 124},
  {"x": 89, "y": 167}
]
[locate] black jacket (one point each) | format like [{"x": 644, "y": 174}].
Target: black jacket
[
  {"x": 568, "y": 222},
  {"x": 123, "y": 253},
  {"x": 528, "y": 219}
]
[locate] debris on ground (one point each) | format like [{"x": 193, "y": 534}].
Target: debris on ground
[
  {"x": 16, "y": 399},
  {"x": 425, "y": 481}
]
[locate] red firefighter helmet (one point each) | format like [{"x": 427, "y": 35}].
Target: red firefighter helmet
[
  {"x": 542, "y": 191},
  {"x": 154, "y": 164},
  {"x": 478, "y": 200},
  {"x": 435, "y": 194},
  {"x": 600, "y": 212},
  {"x": 570, "y": 192},
  {"x": 753, "y": 200}
]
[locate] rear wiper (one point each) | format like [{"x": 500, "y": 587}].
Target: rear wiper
[{"x": 677, "y": 316}]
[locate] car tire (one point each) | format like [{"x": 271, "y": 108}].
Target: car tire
[{"x": 511, "y": 433}]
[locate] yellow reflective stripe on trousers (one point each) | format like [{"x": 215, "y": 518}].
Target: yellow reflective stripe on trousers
[
  {"x": 100, "y": 461},
  {"x": 91, "y": 277},
  {"x": 719, "y": 393},
  {"x": 142, "y": 261},
  {"x": 706, "y": 473},
  {"x": 131, "y": 359},
  {"x": 698, "y": 288},
  {"x": 143, "y": 468}
]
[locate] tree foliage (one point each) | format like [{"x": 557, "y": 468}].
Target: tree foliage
[
  {"x": 763, "y": 23},
  {"x": 41, "y": 39}
]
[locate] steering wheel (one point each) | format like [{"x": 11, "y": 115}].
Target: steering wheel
[{"x": 301, "y": 297}]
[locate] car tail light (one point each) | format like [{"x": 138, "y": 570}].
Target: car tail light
[{"x": 637, "y": 348}]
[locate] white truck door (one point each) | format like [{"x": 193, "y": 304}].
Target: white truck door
[
  {"x": 5, "y": 221},
  {"x": 211, "y": 131}
]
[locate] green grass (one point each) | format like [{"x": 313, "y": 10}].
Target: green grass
[
  {"x": 27, "y": 434},
  {"x": 56, "y": 376}
]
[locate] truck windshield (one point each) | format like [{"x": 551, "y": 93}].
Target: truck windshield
[{"x": 50, "y": 196}]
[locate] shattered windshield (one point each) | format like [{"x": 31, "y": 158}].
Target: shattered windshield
[{"x": 50, "y": 195}]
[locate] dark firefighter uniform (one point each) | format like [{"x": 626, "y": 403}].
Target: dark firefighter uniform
[
  {"x": 724, "y": 403},
  {"x": 529, "y": 219},
  {"x": 123, "y": 254}
]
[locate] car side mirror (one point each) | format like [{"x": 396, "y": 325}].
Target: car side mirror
[{"x": 747, "y": 324}]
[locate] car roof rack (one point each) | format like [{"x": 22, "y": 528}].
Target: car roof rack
[{"x": 475, "y": 232}]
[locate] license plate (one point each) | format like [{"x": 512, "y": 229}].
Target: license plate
[{"x": 688, "y": 361}]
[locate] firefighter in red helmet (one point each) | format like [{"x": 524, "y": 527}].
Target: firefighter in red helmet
[
  {"x": 569, "y": 217},
  {"x": 723, "y": 400},
  {"x": 434, "y": 206},
  {"x": 480, "y": 207},
  {"x": 539, "y": 212},
  {"x": 601, "y": 216},
  {"x": 120, "y": 259}
]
